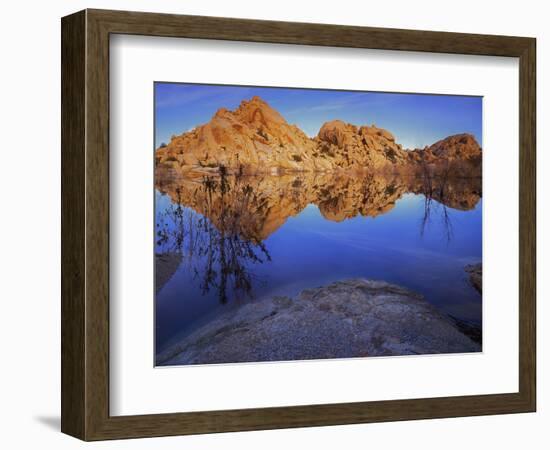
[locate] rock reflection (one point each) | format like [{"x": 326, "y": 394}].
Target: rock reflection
[
  {"x": 216, "y": 253},
  {"x": 237, "y": 213},
  {"x": 256, "y": 206}
]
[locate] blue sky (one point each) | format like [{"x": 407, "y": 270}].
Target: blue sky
[{"x": 415, "y": 120}]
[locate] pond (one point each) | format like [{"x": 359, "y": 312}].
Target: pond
[{"x": 223, "y": 241}]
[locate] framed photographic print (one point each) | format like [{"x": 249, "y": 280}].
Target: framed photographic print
[{"x": 270, "y": 224}]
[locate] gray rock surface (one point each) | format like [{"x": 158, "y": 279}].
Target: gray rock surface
[
  {"x": 351, "y": 318},
  {"x": 476, "y": 275},
  {"x": 166, "y": 265}
]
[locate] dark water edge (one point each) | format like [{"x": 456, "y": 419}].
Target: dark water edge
[
  {"x": 471, "y": 329},
  {"x": 276, "y": 236}
]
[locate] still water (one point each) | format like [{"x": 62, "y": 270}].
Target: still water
[{"x": 222, "y": 241}]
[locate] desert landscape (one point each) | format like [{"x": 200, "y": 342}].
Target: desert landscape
[
  {"x": 267, "y": 249},
  {"x": 254, "y": 138}
]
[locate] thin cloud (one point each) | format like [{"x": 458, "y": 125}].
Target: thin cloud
[
  {"x": 188, "y": 94},
  {"x": 184, "y": 97},
  {"x": 349, "y": 100}
]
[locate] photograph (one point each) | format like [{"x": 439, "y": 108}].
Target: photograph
[
  {"x": 310, "y": 224},
  {"x": 271, "y": 225}
]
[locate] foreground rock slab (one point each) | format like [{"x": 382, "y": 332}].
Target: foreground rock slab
[{"x": 351, "y": 318}]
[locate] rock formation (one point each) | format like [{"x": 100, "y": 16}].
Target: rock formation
[
  {"x": 476, "y": 277},
  {"x": 348, "y": 146},
  {"x": 459, "y": 146},
  {"x": 166, "y": 265},
  {"x": 254, "y": 138},
  {"x": 346, "y": 319}
]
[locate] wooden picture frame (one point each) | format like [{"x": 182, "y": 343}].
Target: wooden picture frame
[{"x": 85, "y": 224}]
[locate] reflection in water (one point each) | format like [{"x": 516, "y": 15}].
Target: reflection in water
[
  {"x": 437, "y": 188},
  {"x": 259, "y": 205},
  {"x": 219, "y": 224},
  {"x": 217, "y": 254}
]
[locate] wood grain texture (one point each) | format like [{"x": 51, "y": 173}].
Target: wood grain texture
[
  {"x": 153, "y": 24},
  {"x": 527, "y": 223},
  {"x": 85, "y": 224},
  {"x": 73, "y": 227}
]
